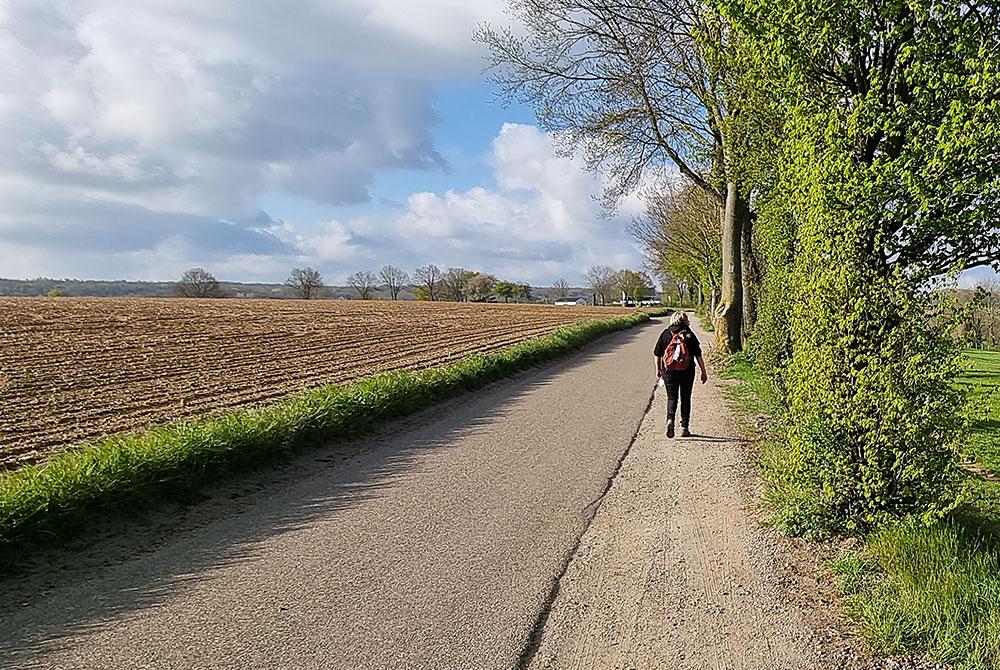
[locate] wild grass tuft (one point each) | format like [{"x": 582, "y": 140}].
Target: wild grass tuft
[
  {"x": 46, "y": 500},
  {"x": 935, "y": 588}
]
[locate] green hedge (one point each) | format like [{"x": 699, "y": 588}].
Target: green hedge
[{"x": 44, "y": 499}]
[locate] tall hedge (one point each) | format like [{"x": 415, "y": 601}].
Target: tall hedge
[
  {"x": 871, "y": 405},
  {"x": 872, "y": 155}
]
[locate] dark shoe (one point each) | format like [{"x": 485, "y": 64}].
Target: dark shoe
[
  {"x": 685, "y": 432},
  {"x": 670, "y": 429}
]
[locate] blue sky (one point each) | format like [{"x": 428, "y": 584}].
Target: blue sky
[
  {"x": 250, "y": 137},
  {"x": 470, "y": 117}
]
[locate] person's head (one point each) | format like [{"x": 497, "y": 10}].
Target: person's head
[{"x": 680, "y": 318}]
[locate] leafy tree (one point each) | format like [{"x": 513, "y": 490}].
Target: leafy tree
[
  {"x": 429, "y": 280},
  {"x": 393, "y": 279},
  {"x": 680, "y": 236},
  {"x": 874, "y": 160},
  {"x": 455, "y": 282},
  {"x": 901, "y": 99},
  {"x": 601, "y": 280},
  {"x": 363, "y": 282},
  {"x": 480, "y": 286},
  {"x": 523, "y": 292},
  {"x": 982, "y": 329},
  {"x": 505, "y": 290},
  {"x": 306, "y": 282},
  {"x": 632, "y": 283},
  {"x": 198, "y": 283}
]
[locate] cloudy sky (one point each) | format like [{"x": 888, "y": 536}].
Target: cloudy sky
[{"x": 138, "y": 139}]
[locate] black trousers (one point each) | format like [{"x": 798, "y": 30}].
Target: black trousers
[{"x": 679, "y": 384}]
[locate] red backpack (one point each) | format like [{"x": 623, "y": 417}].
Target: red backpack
[{"x": 677, "y": 355}]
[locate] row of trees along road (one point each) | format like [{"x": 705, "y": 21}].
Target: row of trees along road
[
  {"x": 608, "y": 284},
  {"x": 847, "y": 152},
  {"x": 637, "y": 87},
  {"x": 429, "y": 283}
]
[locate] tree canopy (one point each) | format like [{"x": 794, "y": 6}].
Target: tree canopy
[{"x": 198, "y": 283}]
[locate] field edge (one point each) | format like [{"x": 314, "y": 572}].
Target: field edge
[{"x": 45, "y": 503}]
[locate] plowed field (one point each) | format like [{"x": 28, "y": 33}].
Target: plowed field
[{"x": 72, "y": 369}]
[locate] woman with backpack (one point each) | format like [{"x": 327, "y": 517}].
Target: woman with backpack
[{"x": 676, "y": 352}]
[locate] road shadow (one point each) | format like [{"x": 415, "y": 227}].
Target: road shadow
[
  {"x": 108, "y": 572},
  {"x": 695, "y": 437}
]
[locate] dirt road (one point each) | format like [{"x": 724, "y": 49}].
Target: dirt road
[
  {"x": 481, "y": 534},
  {"x": 674, "y": 572}
]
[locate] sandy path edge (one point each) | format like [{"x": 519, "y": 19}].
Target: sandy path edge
[{"x": 675, "y": 570}]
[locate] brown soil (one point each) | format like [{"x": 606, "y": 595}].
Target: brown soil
[{"x": 76, "y": 369}]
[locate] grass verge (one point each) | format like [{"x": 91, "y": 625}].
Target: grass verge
[
  {"x": 49, "y": 500},
  {"x": 910, "y": 588},
  {"x": 915, "y": 588},
  {"x": 981, "y": 380}
]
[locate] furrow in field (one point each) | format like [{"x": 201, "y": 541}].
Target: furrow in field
[{"x": 75, "y": 369}]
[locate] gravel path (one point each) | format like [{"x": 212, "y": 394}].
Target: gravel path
[
  {"x": 673, "y": 572},
  {"x": 542, "y": 522}
]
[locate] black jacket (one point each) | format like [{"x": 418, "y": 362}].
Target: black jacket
[{"x": 694, "y": 346}]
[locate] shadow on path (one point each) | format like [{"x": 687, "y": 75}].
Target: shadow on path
[
  {"x": 695, "y": 437},
  {"x": 128, "y": 565}
]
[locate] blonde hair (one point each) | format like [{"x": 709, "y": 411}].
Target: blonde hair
[{"x": 679, "y": 318}]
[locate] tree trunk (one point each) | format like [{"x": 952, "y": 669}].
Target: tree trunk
[
  {"x": 729, "y": 313},
  {"x": 752, "y": 276}
]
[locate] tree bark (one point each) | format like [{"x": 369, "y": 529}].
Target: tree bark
[
  {"x": 752, "y": 275},
  {"x": 729, "y": 313}
]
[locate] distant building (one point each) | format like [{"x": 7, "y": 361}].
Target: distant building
[
  {"x": 573, "y": 301},
  {"x": 644, "y": 301}
]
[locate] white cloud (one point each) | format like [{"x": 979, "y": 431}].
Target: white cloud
[
  {"x": 539, "y": 223},
  {"x": 199, "y": 107},
  {"x": 136, "y": 139}
]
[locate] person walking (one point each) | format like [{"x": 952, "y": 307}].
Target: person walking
[{"x": 676, "y": 352}]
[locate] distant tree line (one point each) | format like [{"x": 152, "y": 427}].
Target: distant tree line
[
  {"x": 982, "y": 327},
  {"x": 461, "y": 285},
  {"x": 429, "y": 282},
  {"x": 601, "y": 285}
]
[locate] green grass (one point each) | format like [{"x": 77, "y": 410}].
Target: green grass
[
  {"x": 982, "y": 382},
  {"x": 912, "y": 587},
  {"x": 47, "y": 501},
  {"x": 755, "y": 393},
  {"x": 760, "y": 403},
  {"x": 916, "y": 588}
]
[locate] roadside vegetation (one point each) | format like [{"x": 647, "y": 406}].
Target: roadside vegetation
[
  {"x": 846, "y": 152},
  {"x": 912, "y": 585},
  {"x": 47, "y": 501}
]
